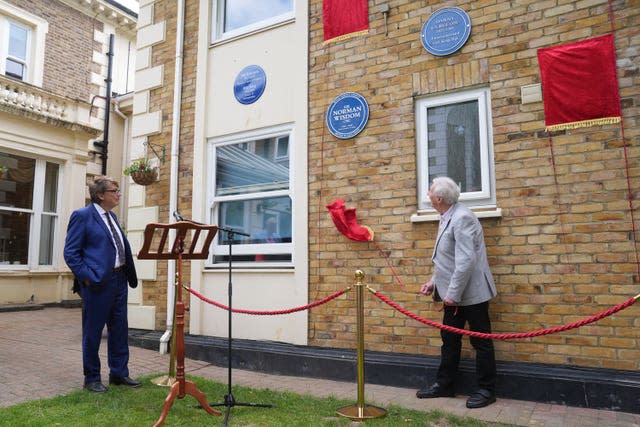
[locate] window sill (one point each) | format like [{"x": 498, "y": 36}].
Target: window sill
[{"x": 432, "y": 216}]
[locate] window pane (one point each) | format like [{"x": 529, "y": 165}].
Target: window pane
[
  {"x": 250, "y": 167},
  {"x": 51, "y": 188},
  {"x": 18, "y": 41},
  {"x": 17, "y": 186},
  {"x": 14, "y": 237},
  {"x": 240, "y": 13},
  {"x": 14, "y": 69},
  {"x": 454, "y": 144},
  {"x": 266, "y": 220},
  {"x": 46, "y": 240}
]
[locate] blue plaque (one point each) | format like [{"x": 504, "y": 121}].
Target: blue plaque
[
  {"x": 347, "y": 115},
  {"x": 446, "y": 31},
  {"x": 249, "y": 85}
]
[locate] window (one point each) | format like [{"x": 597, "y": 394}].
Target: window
[
  {"x": 22, "y": 40},
  {"x": 16, "y": 60},
  {"x": 250, "y": 194},
  {"x": 454, "y": 139},
  {"x": 28, "y": 211},
  {"x": 233, "y": 17}
]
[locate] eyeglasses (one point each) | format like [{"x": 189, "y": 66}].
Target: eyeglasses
[{"x": 117, "y": 191}]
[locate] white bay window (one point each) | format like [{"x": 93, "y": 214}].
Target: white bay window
[
  {"x": 29, "y": 211},
  {"x": 232, "y": 18},
  {"x": 251, "y": 194}
]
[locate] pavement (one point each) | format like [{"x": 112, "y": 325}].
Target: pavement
[{"x": 41, "y": 357}]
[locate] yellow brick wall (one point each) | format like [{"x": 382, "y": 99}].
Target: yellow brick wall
[
  {"x": 70, "y": 46},
  {"x": 560, "y": 252},
  {"x": 161, "y": 99}
]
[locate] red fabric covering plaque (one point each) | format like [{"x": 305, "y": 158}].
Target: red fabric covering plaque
[
  {"x": 344, "y": 18},
  {"x": 346, "y": 222},
  {"x": 579, "y": 84}
]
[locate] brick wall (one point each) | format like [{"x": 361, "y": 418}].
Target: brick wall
[
  {"x": 161, "y": 99},
  {"x": 69, "y": 48},
  {"x": 560, "y": 252}
]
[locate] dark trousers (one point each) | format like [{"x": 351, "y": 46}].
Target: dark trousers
[
  {"x": 105, "y": 304},
  {"x": 478, "y": 317}
]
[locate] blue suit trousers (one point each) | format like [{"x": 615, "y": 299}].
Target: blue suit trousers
[{"x": 105, "y": 304}]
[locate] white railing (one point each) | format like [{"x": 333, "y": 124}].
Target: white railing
[{"x": 32, "y": 99}]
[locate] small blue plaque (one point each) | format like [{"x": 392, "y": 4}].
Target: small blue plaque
[
  {"x": 446, "y": 31},
  {"x": 347, "y": 115},
  {"x": 249, "y": 85}
]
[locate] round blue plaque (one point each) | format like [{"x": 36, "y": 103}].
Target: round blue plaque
[
  {"x": 446, "y": 31},
  {"x": 347, "y": 115},
  {"x": 249, "y": 85}
]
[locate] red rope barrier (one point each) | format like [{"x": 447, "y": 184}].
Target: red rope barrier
[
  {"x": 393, "y": 271},
  {"x": 507, "y": 336},
  {"x": 264, "y": 312}
]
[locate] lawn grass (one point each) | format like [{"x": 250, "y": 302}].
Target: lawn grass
[{"x": 125, "y": 407}]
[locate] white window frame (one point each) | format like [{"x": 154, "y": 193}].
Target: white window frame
[
  {"x": 485, "y": 199},
  {"x": 35, "y": 50},
  {"x": 27, "y": 56},
  {"x": 217, "y": 22},
  {"x": 214, "y": 201},
  {"x": 35, "y": 223}
]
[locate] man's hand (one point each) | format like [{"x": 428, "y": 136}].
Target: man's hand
[
  {"x": 427, "y": 288},
  {"x": 448, "y": 301}
]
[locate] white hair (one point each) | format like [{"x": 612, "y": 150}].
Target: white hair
[{"x": 446, "y": 188}]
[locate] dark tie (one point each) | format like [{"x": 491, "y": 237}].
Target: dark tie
[{"x": 116, "y": 237}]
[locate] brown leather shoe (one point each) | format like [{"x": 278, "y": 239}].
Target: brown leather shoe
[
  {"x": 129, "y": 382},
  {"x": 96, "y": 387}
]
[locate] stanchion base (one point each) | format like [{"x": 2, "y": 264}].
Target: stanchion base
[
  {"x": 164, "y": 381},
  {"x": 366, "y": 412}
]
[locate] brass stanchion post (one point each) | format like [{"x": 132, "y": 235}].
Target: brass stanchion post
[{"x": 360, "y": 411}]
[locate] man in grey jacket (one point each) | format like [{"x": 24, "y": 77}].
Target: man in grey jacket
[{"x": 463, "y": 281}]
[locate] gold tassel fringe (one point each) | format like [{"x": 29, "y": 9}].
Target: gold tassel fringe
[{"x": 583, "y": 123}]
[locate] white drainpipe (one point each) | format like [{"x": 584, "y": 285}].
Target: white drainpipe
[
  {"x": 173, "y": 182},
  {"x": 125, "y": 155}
]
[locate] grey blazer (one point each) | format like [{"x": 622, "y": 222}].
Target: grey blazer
[{"x": 461, "y": 269}]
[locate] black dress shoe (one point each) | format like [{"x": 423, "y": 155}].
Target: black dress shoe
[
  {"x": 130, "y": 382},
  {"x": 481, "y": 398},
  {"x": 96, "y": 387},
  {"x": 436, "y": 390}
]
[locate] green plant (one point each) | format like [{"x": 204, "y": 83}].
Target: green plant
[{"x": 139, "y": 165}]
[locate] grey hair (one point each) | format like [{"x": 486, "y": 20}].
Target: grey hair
[
  {"x": 99, "y": 185},
  {"x": 446, "y": 188}
]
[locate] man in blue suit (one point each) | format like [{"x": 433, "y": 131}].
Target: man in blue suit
[
  {"x": 99, "y": 256},
  {"x": 463, "y": 281}
]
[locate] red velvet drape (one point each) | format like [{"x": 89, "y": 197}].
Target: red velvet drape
[
  {"x": 344, "y": 18},
  {"x": 346, "y": 222},
  {"x": 579, "y": 84}
]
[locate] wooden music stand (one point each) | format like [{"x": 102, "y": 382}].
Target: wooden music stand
[{"x": 182, "y": 386}]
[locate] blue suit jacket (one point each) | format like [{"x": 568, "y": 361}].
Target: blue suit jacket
[{"x": 89, "y": 250}]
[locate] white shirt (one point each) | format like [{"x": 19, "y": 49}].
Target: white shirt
[{"x": 102, "y": 213}]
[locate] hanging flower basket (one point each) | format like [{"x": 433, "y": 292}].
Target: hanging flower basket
[
  {"x": 144, "y": 177},
  {"x": 142, "y": 172}
]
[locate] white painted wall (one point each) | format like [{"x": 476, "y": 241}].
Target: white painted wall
[{"x": 282, "y": 53}]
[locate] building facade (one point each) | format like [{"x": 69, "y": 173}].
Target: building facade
[
  {"x": 53, "y": 88},
  {"x": 240, "y": 103}
]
